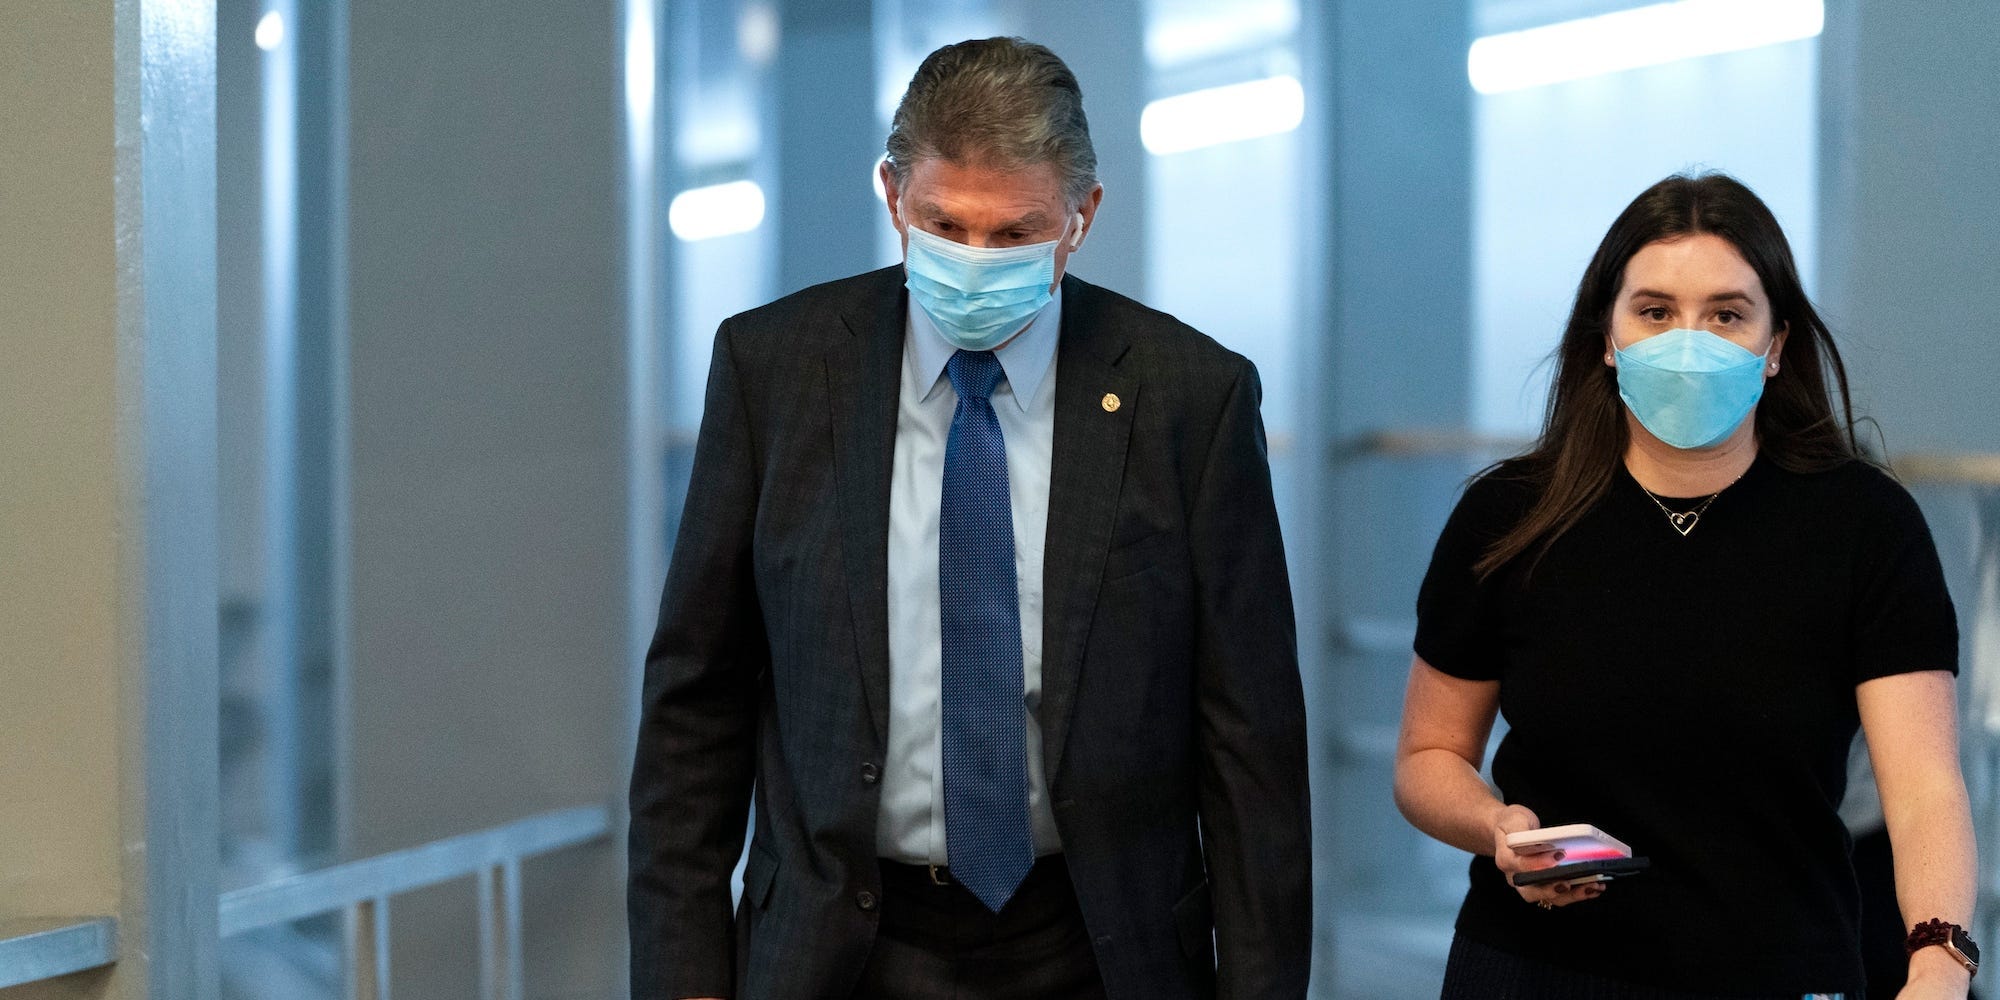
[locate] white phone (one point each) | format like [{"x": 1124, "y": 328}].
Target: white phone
[{"x": 1577, "y": 841}]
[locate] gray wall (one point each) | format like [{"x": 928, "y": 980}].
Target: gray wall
[
  {"x": 1911, "y": 215},
  {"x": 823, "y": 126},
  {"x": 1104, "y": 44},
  {"x": 487, "y": 665}
]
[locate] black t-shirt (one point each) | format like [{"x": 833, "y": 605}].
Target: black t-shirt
[{"x": 1694, "y": 697}]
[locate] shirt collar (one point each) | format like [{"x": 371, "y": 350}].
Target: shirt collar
[{"x": 1025, "y": 359}]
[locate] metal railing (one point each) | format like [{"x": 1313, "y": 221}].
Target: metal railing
[
  {"x": 362, "y": 889},
  {"x": 1946, "y": 469},
  {"x": 34, "y": 950}
]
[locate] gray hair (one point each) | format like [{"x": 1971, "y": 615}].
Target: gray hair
[{"x": 1006, "y": 102}]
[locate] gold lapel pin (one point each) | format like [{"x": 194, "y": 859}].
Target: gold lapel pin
[{"x": 1110, "y": 402}]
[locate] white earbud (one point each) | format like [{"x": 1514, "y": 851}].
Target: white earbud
[{"x": 1076, "y": 241}]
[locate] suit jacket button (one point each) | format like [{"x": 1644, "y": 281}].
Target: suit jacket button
[
  {"x": 865, "y": 900},
  {"x": 870, "y": 774}
]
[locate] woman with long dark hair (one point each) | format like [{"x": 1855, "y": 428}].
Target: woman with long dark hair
[{"x": 1684, "y": 600}]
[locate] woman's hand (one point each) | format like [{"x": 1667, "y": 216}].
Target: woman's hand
[
  {"x": 1935, "y": 975},
  {"x": 1446, "y": 721},
  {"x": 1514, "y": 819}
]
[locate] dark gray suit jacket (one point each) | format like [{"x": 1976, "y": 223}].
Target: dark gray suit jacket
[{"x": 1172, "y": 720}]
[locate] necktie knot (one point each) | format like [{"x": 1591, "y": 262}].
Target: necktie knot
[{"x": 974, "y": 374}]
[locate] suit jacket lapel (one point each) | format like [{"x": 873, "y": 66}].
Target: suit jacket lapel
[
  {"x": 863, "y": 379},
  {"x": 1086, "y": 471}
]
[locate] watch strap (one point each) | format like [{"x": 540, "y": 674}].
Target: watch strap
[{"x": 1949, "y": 936}]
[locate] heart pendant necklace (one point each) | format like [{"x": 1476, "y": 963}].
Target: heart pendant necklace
[{"x": 1685, "y": 520}]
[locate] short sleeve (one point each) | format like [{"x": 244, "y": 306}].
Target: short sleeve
[
  {"x": 1902, "y": 619},
  {"x": 1456, "y": 620}
]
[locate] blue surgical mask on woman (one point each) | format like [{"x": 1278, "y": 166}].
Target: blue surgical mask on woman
[
  {"x": 1690, "y": 388},
  {"x": 979, "y": 296}
]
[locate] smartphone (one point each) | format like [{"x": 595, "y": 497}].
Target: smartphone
[
  {"x": 1584, "y": 872},
  {"x": 1577, "y": 841}
]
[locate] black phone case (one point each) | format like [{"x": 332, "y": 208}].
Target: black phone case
[{"x": 1612, "y": 867}]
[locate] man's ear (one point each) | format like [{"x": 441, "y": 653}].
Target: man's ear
[
  {"x": 890, "y": 194},
  {"x": 1088, "y": 215}
]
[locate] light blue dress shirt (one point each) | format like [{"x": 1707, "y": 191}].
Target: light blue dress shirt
[{"x": 910, "y": 825}]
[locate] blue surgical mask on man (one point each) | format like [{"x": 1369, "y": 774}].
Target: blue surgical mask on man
[
  {"x": 980, "y": 296},
  {"x": 1690, "y": 388}
]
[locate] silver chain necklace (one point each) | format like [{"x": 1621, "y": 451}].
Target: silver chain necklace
[{"x": 1684, "y": 521}]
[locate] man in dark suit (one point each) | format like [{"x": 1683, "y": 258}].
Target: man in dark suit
[{"x": 979, "y": 586}]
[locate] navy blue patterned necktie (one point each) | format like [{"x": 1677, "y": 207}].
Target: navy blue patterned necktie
[{"x": 985, "y": 727}]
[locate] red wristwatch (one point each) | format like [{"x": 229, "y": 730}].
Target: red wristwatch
[{"x": 1951, "y": 937}]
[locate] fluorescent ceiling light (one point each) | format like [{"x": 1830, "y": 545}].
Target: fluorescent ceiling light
[
  {"x": 1186, "y": 33},
  {"x": 1222, "y": 114},
  {"x": 270, "y": 31},
  {"x": 718, "y": 210},
  {"x": 1642, "y": 36},
  {"x": 757, "y": 32},
  {"x": 641, "y": 62},
  {"x": 722, "y": 133}
]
